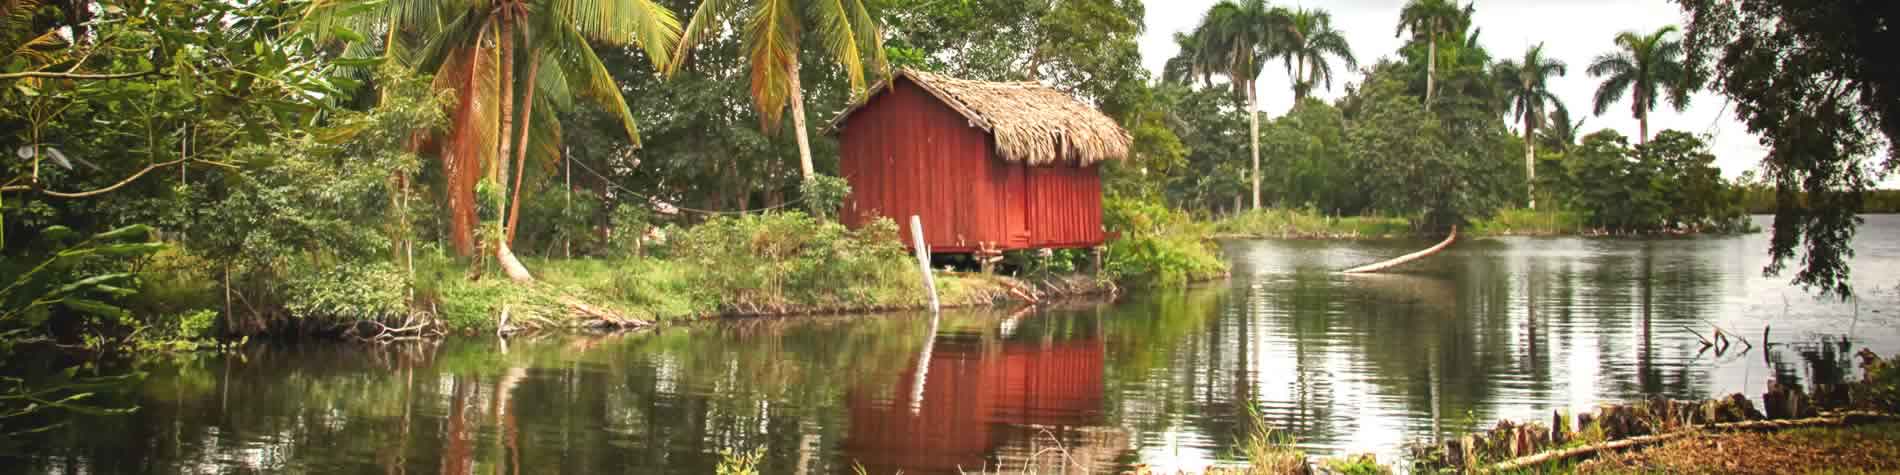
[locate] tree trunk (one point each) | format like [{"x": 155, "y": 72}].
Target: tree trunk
[
  {"x": 1642, "y": 127},
  {"x": 1431, "y": 64},
  {"x": 798, "y": 122},
  {"x": 1299, "y": 75},
  {"x": 1253, "y": 120},
  {"x": 521, "y": 146},
  {"x": 1530, "y": 160},
  {"x": 461, "y": 169},
  {"x": 1642, "y": 113},
  {"x": 503, "y": 255}
]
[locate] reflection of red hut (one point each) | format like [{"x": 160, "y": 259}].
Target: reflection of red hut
[
  {"x": 972, "y": 395},
  {"x": 1008, "y": 165}
]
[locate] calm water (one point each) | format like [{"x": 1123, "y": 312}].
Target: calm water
[{"x": 1491, "y": 328}]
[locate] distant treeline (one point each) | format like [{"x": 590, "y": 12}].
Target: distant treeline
[{"x": 1761, "y": 200}]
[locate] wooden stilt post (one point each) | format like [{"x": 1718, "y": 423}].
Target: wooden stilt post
[{"x": 923, "y": 259}]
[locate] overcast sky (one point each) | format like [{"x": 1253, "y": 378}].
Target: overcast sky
[{"x": 1574, "y": 31}]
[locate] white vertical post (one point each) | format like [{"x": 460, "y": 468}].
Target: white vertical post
[{"x": 923, "y": 259}]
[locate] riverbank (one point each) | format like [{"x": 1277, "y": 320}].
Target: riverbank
[
  {"x": 1872, "y": 448},
  {"x": 1282, "y": 223}
]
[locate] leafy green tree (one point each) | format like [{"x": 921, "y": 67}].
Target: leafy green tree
[
  {"x": 1308, "y": 148},
  {"x": 1240, "y": 36},
  {"x": 1210, "y": 124},
  {"x": 773, "y": 31},
  {"x": 1311, "y": 44},
  {"x": 1431, "y": 19},
  {"x": 1668, "y": 184},
  {"x": 1527, "y": 84},
  {"x": 1815, "y": 80},
  {"x": 1645, "y": 67}
]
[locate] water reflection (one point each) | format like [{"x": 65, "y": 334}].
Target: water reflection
[{"x": 1510, "y": 328}]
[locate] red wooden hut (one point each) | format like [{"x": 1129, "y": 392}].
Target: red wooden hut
[{"x": 1002, "y": 165}]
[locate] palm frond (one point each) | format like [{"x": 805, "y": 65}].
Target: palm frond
[
  {"x": 642, "y": 23},
  {"x": 1615, "y": 63},
  {"x": 462, "y": 32},
  {"x": 771, "y": 50},
  {"x": 1612, "y": 90},
  {"x": 599, "y": 86},
  {"x": 840, "y": 37},
  {"x": 706, "y": 20}
]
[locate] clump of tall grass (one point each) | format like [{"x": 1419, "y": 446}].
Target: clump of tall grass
[{"x": 1270, "y": 451}]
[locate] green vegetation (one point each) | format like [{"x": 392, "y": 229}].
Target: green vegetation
[
  {"x": 1157, "y": 246},
  {"x": 1310, "y": 224},
  {"x": 1525, "y": 222},
  {"x": 1670, "y": 183},
  {"x": 314, "y": 165},
  {"x": 759, "y": 264}
]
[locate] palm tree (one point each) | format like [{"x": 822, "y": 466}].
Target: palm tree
[
  {"x": 474, "y": 47},
  {"x": 1526, "y": 85},
  {"x": 1311, "y": 40},
  {"x": 1431, "y": 19},
  {"x": 1189, "y": 64},
  {"x": 1559, "y": 132},
  {"x": 1643, "y": 66},
  {"x": 771, "y": 29},
  {"x": 1239, "y": 35}
]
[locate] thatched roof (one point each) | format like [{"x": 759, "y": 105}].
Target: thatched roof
[{"x": 1032, "y": 123}]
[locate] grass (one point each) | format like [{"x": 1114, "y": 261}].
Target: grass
[
  {"x": 1525, "y": 222},
  {"x": 775, "y": 264},
  {"x": 1310, "y": 224}
]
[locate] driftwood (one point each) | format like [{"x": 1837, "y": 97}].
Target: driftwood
[
  {"x": 1522, "y": 463},
  {"x": 1402, "y": 260},
  {"x": 603, "y": 317}
]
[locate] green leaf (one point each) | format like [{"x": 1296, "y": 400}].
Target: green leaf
[
  {"x": 130, "y": 249},
  {"x": 142, "y": 232},
  {"x": 357, "y": 62},
  {"x": 93, "y": 281},
  {"x": 56, "y": 233},
  {"x": 96, "y": 308},
  {"x": 347, "y": 34}
]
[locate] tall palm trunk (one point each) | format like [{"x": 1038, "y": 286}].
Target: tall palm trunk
[
  {"x": 505, "y": 256},
  {"x": 1253, "y": 121},
  {"x": 798, "y": 122},
  {"x": 1431, "y": 64},
  {"x": 1530, "y": 159},
  {"x": 521, "y": 146},
  {"x": 1642, "y": 114}
]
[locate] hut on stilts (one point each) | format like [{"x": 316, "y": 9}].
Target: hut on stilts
[{"x": 988, "y": 166}]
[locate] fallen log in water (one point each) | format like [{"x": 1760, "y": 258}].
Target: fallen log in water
[{"x": 1401, "y": 260}]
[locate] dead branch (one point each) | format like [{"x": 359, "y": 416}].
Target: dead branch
[
  {"x": 121, "y": 184},
  {"x": 76, "y": 76}
]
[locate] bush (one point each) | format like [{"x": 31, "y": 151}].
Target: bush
[
  {"x": 355, "y": 291},
  {"x": 1880, "y": 386},
  {"x": 1156, "y": 246},
  {"x": 776, "y": 260},
  {"x": 824, "y": 195}
]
